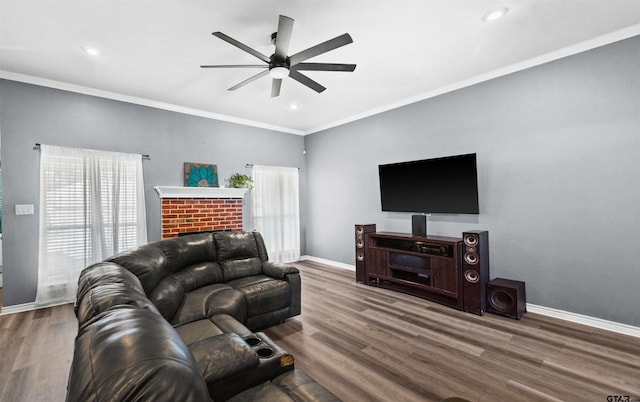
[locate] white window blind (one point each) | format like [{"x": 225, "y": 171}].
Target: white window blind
[
  {"x": 91, "y": 207},
  {"x": 276, "y": 212}
]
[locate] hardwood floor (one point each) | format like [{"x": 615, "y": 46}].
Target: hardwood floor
[
  {"x": 369, "y": 344},
  {"x": 36, "y": 348}
]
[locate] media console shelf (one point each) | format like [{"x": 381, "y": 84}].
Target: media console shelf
[{"x": 427, "y": 267}]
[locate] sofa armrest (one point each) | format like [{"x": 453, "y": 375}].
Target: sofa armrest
[
  {"x": 223, "y": 356},
  {"x": 277, "y": 270},
  {"x": 290, "y": 274},
  {"x": 273, "y": 361},
  {"x": 134, "y": 354}
]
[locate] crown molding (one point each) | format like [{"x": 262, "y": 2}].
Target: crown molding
[
  {"x": 593, "y": 43},
  {"x": 44, "y": 82}
]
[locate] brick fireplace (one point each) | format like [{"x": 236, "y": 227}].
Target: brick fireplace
[{"x": 197, "y": 209}]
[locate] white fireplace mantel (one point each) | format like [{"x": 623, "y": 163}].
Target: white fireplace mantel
[{"x": 199, "y": 192}]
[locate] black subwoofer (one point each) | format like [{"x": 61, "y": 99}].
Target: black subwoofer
[
  {"x": 361, "y": 250},
  {"x": 506, "y": 297},
  {"x": 475, "y": 270}
]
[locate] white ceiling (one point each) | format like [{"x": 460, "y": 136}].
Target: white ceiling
[{"x": 150, "y": 51}]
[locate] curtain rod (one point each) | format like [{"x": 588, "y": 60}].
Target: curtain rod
[
  {"x": 144, "y": 156},
  {"x": 250, "y": 166}
]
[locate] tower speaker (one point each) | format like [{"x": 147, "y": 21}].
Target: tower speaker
[
  {"x": 506, "y": 297},
  {"x": 361, "y": 251},
  {"x": 475, "y": 270}
]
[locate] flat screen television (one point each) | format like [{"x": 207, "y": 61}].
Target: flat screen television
[{"x": 446, "y": 185}]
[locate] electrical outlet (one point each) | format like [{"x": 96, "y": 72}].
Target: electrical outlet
[{"x": 24, "y": 209}]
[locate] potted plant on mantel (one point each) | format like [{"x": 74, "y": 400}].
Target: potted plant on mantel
[{"x": 240, "y": 181}]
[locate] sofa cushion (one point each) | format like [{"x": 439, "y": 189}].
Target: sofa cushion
[
  {"x": 198, "y": 275},
  {"x": 110, "y": 296},
  {"x": 262, "y": 293},
  {"x": 240, "y": 268},
  {"x": 219, "y": 324},
  {"x": 106, "y": 273},
  {"x": 235, "y": 245},
  {"x": 169, "y": 293},
  {"x": 106, "y": 285},
  {"x": 167, "y": 296},
  {"x": 187, "y": 250},
  {"x": 146, "y": 262},
  {"x": 198, "y": 330},
  {"x": 208, "y": 301}
]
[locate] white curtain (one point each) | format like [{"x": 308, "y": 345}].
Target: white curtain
[
  {"x": 276, "y": 211},
  {"x": 91, "y": 207}
]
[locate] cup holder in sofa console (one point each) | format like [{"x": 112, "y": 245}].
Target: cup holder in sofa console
[
  {"x": 253, "y": 341},
  {"x": 265, "y": 352}
]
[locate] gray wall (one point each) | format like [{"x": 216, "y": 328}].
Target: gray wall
[
  {"x": 31, "y": 114},
  {"x": 559, "y": 177},
  {"x": 557, "y": 159}
]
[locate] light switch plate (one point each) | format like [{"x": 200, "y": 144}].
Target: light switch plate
[{"x": 24, "y": 209}]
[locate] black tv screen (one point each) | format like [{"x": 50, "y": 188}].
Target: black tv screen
[{"x": 441, "y": 185}]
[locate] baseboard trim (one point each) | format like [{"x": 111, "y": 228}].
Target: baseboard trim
[
  {"x": 599, "y": 323},
  {"x": 328, "y": 262},
  {"x": 21, "y": 308},
  {"x": 585, "y": 320},
  {"x": 17, "y": 308}
]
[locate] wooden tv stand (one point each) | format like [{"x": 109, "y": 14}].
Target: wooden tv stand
[{"x": 427, "y": 267}]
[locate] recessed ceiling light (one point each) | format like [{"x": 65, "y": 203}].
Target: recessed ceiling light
[
  {"x": 495, "y": 14},
  {"x": 91, "y": 51},
  {"x": 294, "y": 106}
]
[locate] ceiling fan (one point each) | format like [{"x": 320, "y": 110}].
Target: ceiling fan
[{"x": 280, "y": 66}]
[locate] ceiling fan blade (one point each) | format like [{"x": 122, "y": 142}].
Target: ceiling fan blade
[
  {"x": 242, "y": 46},
  {"x": 324, "y": 67},
  {"x": 303, "y": 79},
  {"x": 275, "y": 87},
  {"x": 248, "y": 80},
  {"x": 283, "y": 37},
  {"x": 323, "y": 47},
  {"x": 235, "y": 66}
]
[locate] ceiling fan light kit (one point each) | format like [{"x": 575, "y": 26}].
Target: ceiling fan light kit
[
  {"x": 279, "y": 73},
  {"x": 280, "y": 66},
  {"x": 495, "y": 14}
]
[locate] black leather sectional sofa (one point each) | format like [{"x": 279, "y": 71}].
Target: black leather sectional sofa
[{"x": 176, "y": 320}]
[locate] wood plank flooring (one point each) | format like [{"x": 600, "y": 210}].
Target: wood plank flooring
[
  {"x": 369, "y": 344},
  {"x": 36, "y": 348}
]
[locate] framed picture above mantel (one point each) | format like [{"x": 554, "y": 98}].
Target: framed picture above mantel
[{"x": 200, "y": 175}]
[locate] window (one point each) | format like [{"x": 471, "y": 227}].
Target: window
[
  {"x": 91, "y": 207},
  {"x": 276, "y": 211}
]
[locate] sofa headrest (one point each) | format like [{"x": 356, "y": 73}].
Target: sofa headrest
[
  {"x": 105, "y": 286},
  {"x": 106, "y": 273},
  {"x": 187, "y": 250},
  {"x": 237, "y": 245},
  {"x": 146, "y": 262}
]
